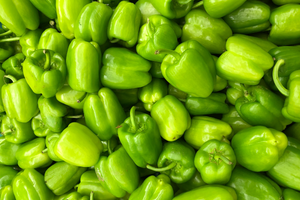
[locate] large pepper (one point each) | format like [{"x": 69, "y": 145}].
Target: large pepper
[
  {"x": 29, "y": 184},
  {"x": 78, "y": 145},
  {"x": 47, "y": 7},
  {"x": 92, "y": 22},
  {"x": 215, "y": 161},
  {"x": 190, "y": 64},
  {"x": 83, "y": 62},
  {"x": 158, "y": 33},
  {"x": 103, "y": 113},
  {"x": 51, "y": 139},
  {"x": 8, "y": 152},
  {"x": 258, "y": 148},
  {"x": 7, "y": 174},
  {"x": 124, "y": 69},
  {"x": 171, "y": 117},
  {"x": 13, "y": 65},
  {"x": 45, "y": 72},
  {"x": 210, "y": 32},
  {"x": 117, "y": 173},
  {"x": 73, "y": 98},
  {"x": 30, "y": 41},
  {"x": 140, "y": 137},
  {"x": 147, "y": 10},
  {"x": 6, "y": 193}
]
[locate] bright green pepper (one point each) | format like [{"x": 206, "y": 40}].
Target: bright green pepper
[
  {"x": 235, "y": 91},
  {"x": 124, "y": 69},
  {"x": 47, "y": 7},
  {"x": 290, "y": 194},
  {"x": 6, "y": 193},
  {"x": 40, "y": 129},
  {"x": 103, "y": 113},
  {"x": 51, "y": 139},
  {"x": 147, "y": 10},
  {"x": 75, "y": 196},
  {"x": 72, "y": 98},
  {"x": 258, "y": 148},
  {"x": 29, "y": 184},
  {"x": 7, "y": 174},
  {"x": 30, "y": 41},
  {"x": 2, "y": 82},
  {"x": 127, "y": 97},
  {"x": 8, "y": 152},
  {"x": 13, "y": 65},
  {"x": 83, "y": 62},
  {"x": 45, "y": 72}
]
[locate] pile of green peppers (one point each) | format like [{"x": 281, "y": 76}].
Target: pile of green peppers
[{"x": 150, "y": 100}]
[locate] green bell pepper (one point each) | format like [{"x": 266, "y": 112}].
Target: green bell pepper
[
  {"x": 290, "y": 194},
  {"x": 29, "y": 184},
  {"x": 6, "y": 50},
  {"x": 7, "y": 174},
  {"x": 258, "y": 148},
  {"x": 72, "y": 98},
  {"x": 204, "y": 128},
  {"x": 30, "y": 41},
  {"x": 2, "y": 82},
  {"x": 45, "y": 72},
  {"x": 40, "y": 129},
  {"x": 51, "y": 140},
  {"x": 293, "y": 131},
  {"x": 13, "y": 65},
  {"x": 218, "y": 9},
  {"x": 92, "y": 22},
  {"x": 78, "y": 145},
  {"x": 157, "y": 188},
  {"x": 215, "y": 161},
  {"x": 282, "y": 2},
  {"x": 155, "y": 70},
  {"x": 75, "y": 196},
  {"x": 6, "y": 193},
  {"x": 83, "y": 63},
  {"x": 124, "y": 69},
  {"x": 8, "y": 152},
  {"x": 103, "y": 113},
  {"x": 210, "y": 32},
  {"x": 140, "y": 137},
  {"x": 147, "y": 10},
  {"x": 117, "y": 173},
  {"x": 47, "y": 7}
]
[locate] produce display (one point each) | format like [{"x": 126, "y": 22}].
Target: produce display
[{"x": 149, "y": 100}]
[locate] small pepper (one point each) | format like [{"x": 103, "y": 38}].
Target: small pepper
[
  {"x": 8, "y": 152},
  {"x": 13, "y": 65}
]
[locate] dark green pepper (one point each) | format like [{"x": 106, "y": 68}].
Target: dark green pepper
[{"x": 47, "y": 7}]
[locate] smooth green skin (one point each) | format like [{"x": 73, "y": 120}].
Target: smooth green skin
[
  {"x": 195, "y": 182},
  {"x": 220, "y": 8},
  {"x": 61, "y": 177},
  {"x": 182, "y": 154},
  {"x": 153, "y": 92},
  {"x": 7, "y": 174},
  {"x": 92, "y": 22},
  {"x": 263, "y": 43},
  {"x": 78, "y": 145},
  {"x": 6, "y": 50},
  {"x": 173, "y": 8},
  {"x": 72, "y": 98},
  {"x": 268, "y": 78},
  {"x": 171, "y": 117},
  {"x": 19, "y": 15},
  {"x": 215, "y": 160},
  {"x": 251, "y": 17},
  {"x": 2, "y": 73},
  {"x": 147, "y": 10},
  {"x": 52, "y": 113},
  {"x": 127, "y": 97},
  {"x": 190, "y": 64},
  {"x": 83, "y": 63},
  {"x": 90, "y": 183},
  {"x": 180, "y": 95},
  {"x": 204, "y": 128},
  {"x": 6, "y": 193},
  {"x": 210, "y": 32},
  {"x": 75, "y": 196},
  {"x": 13, "y": 65},
  {"x": 53, "y": 40},
  {"x": 29, "y": 185},
  {"x": 40, "y": 129},
  {"x": 16, "y": 132},
  {"x": 290, "y": 194},
  {"x": 155, "y": 70},
  {"x": 251, "y": 185},
  {"x": 213, "y": 104},
  {"x": 154, "y": 188},
  {"x": 159, "y": 33},
  {"x": 209, "y": 192},
  {"x": 235, "y": 121},
  {"x": 235, "y": 91},
  {"x": 124, "y": 69},
  {"x": 30, "y": 40},
  {"x": 243, "y": 62},
  {"x": 258, "y": 148},
  {"x": 293, "y": 131},
  {"x": 260, "y": 106},
  {"x": 140, "y": 137},
  {"x": 282, "y": 2},
  {"x": 67, "y": 13},
  {"x": 47, "y": 7},
  {"x": 220, "y": 84},
  {"x": 31, "y": 155},
  {"x": 117, "y": 173},
  {"x": 51, "y": 140},
  {"x": 8, "y": 152},
  {"x": 286, "y": 171},
  {"x": 103, "y": 113},
  {"x": 285, "y": 26},
  {"x": 45, "y": 72}
]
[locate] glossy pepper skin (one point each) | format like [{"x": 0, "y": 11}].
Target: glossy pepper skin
[
  {"x": 45, "y": 72},
  {"x": 51, "y": 139},
  {"x": 103, "y": 113},
  {"x": 78, "y": 145},
  {"x": 147, "y": 10},
  {"x": 6, "y": 50},
  {"x": 117, "y": 173},
  {"x": 124, "y": 24},
  {"x": 173, "y": 8},
  {"x": 13, "y": 65},
  {"x": 6, "y": 193},
  {"x": 30, "y": 40},
  {"x": 258, "y": 148},
  {"x": 83, "y": 63},
  {"x": 210, "y": 32},
  {"x": 72, "y": 98},
  {"x": 61, "y": 177},
  {"x": 7, "y": 174},
  {"x": 157, "y": 188},
  {"x": 124, "y": 69},
  {"x": 158, "y": 33},
  {"x": 29, "y": 184},
  {"x": 166, "y": 112},
  {"x": 19, "y": 15},
  {"x": 92, "y": 22},
  {"x": 40, "y": 129},
  {"x": 140, "y": 137},
  {"x": 47, "y": 7},
  {"x": 285, "y": 28},
  {"x": 8, "y": 152},
  {"x": 221, "y": 8},
  {"x": 290, "y": 194},
  {"x": 251, "y": 185},
  {"x": 190, "y": 64},
  {"x": 2, "y": 82}
]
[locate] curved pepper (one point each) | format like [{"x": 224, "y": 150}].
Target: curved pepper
[
  {"x": 47, "y": 7},
  {"x": 290, "y": 194},
  {"x": 72, "y": 98},
  {"x": 13, "y": 65},
  {"x": 39, "y": 128},
  {"x": 221, "y": 8},
  {"x": 30, "y": 40},
  {"x": 6, "y": 193},
  {"x": 147, "y": 10},
  {"x": 195, "y": 182},
  {"x": 7, "y": 174},
  {"x": 6, "y": 50},
  {"x": 180, "y": 95},
  {"x": 2, "y": 82},
  {"x": 8, "y": 152}
]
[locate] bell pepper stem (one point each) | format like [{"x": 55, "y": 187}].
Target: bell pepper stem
[
  {"x": 13, "y": 79},
  {"x": 132, "y": 119},
  {"x": 224, "y": 159},
  {"x": 6, "y": 33},
  {"x": 48, "y": 61},
  {"x": 45, "y": 150},
  {"x": 10, "y": 39},
  {"x": 197, "y": 5},
  {"x": 115, "y": 40},
  {"x": 92, "y": 195},
  {"x": 170, "y": 52},
  {"x": 276, "y": 80},
  {"x": 7, "y": 132},
  {"x": 170, "y": 166}
]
